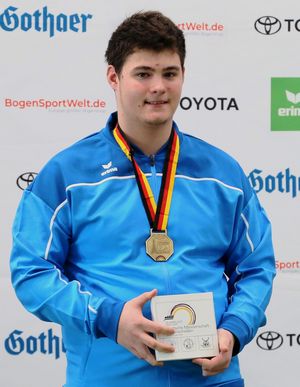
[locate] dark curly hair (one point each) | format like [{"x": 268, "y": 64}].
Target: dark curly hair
[{"x": 149, "y": 30}]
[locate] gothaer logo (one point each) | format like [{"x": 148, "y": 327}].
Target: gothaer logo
[
  {"x": 46, "y": 343},
  {"x": 184, "y": 312},
  {"x": 41, "y": 20},
  {"x": 285, "y": 104}
]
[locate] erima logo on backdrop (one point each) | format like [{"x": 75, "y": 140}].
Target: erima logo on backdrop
[
  {"x": 45, "y": 343},
  {"x": 285, "y": 104},
  {"x": 282, "y": 182},
  {"x": 43, "y": 21},
  {"x": 270, "y": 25},
  {"x": 294, "y": 98}
]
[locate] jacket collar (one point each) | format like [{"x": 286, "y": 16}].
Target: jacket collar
[{"x": 111, "y": 124}]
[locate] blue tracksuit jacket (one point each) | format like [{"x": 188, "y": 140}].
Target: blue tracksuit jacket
[{"x": 79, "y": 254}]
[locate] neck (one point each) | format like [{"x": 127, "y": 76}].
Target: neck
[{"x": 148, "y": 138}]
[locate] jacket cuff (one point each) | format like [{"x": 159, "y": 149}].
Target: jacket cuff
[
  {"x": 239, "y": 330},
  {"x": 108, "y": 316}
]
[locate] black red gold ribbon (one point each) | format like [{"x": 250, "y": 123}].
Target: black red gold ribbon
[{"x": 157, "y": 214}]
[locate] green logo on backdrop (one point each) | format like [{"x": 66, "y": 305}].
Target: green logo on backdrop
[{"x": 285, "y": 104}]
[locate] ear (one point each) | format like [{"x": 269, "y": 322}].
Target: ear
[{"x": 112, "y": 77}]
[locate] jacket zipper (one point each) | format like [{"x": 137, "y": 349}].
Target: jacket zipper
[
  {"x": 155, "y": 190},
  {"x": 154, "y": 177}
]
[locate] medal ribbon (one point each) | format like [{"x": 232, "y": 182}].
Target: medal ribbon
[{"x": 157, "y": 214}]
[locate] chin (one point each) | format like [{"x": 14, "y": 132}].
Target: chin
[{"x": 156, "y": 121}]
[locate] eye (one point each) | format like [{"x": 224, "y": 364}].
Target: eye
[
  {"x": 142, "y": 75},
  {"x": 170, "y": 74}
]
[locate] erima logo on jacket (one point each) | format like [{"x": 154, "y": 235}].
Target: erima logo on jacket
[{"x": 108, "y": 168}]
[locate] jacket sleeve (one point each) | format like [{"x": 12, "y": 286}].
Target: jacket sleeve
[
  {"x": 41, "y": 240},
  {"x": 250, "y": 267}
]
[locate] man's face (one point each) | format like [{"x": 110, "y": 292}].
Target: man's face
[{"x": 148, "y": 88}]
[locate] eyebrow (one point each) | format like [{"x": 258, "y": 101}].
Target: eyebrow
[{"x": 148, "y": 68}]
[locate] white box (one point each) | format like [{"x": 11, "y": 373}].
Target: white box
[{"x": 193, "y": 318}]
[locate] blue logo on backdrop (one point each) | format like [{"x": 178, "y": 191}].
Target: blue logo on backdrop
[
  {"x": 43, "y": 21},
  {"x": 46, "y": 343},
  {"x": 283, "y": 182}
]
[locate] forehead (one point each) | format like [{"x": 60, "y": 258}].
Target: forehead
[{"x": 153, "y": 59}]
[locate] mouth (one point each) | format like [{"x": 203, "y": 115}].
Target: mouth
[{"x": 155, "y": 103}]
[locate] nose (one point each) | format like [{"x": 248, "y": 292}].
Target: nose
[{"x": 158, "y": 85}]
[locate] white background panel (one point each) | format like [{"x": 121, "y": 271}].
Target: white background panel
[{"x": 236, "y": 63}]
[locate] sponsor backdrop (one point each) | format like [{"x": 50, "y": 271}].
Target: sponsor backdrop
[{"x": 241, "y": 93}]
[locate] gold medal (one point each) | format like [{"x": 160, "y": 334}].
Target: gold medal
[{"x": 159, "y": 246}]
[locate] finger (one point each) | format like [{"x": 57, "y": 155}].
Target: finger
[
  {"x": 213, "y": 370},
  {"x": 135, "y": 352},
  {"x": 226, "y": 340},
  {"x": 157, "y": 328},
  {"x": 157, "y": 345},
  {"x": 211, "y": 373},
  {"x": 224, "y": 345},
  {"x": 200, "y": 361},
  {"x": 207, "y": 363},
  {"x": 145, "y": 297},
  {"x": 146, "y": 355},
  {"x": 216, "y": 364}
]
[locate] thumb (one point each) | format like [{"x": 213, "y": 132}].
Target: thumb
[
  {"x": 225, "y": 341},
  {"x": 144, "y": 297}
]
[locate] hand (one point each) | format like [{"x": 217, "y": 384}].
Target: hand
[
  {"x": 222, "y": 361},
  {"x": 134, "y": 329}
]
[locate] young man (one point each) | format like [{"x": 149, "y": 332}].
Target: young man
[{"x": 80, "y": 256}]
